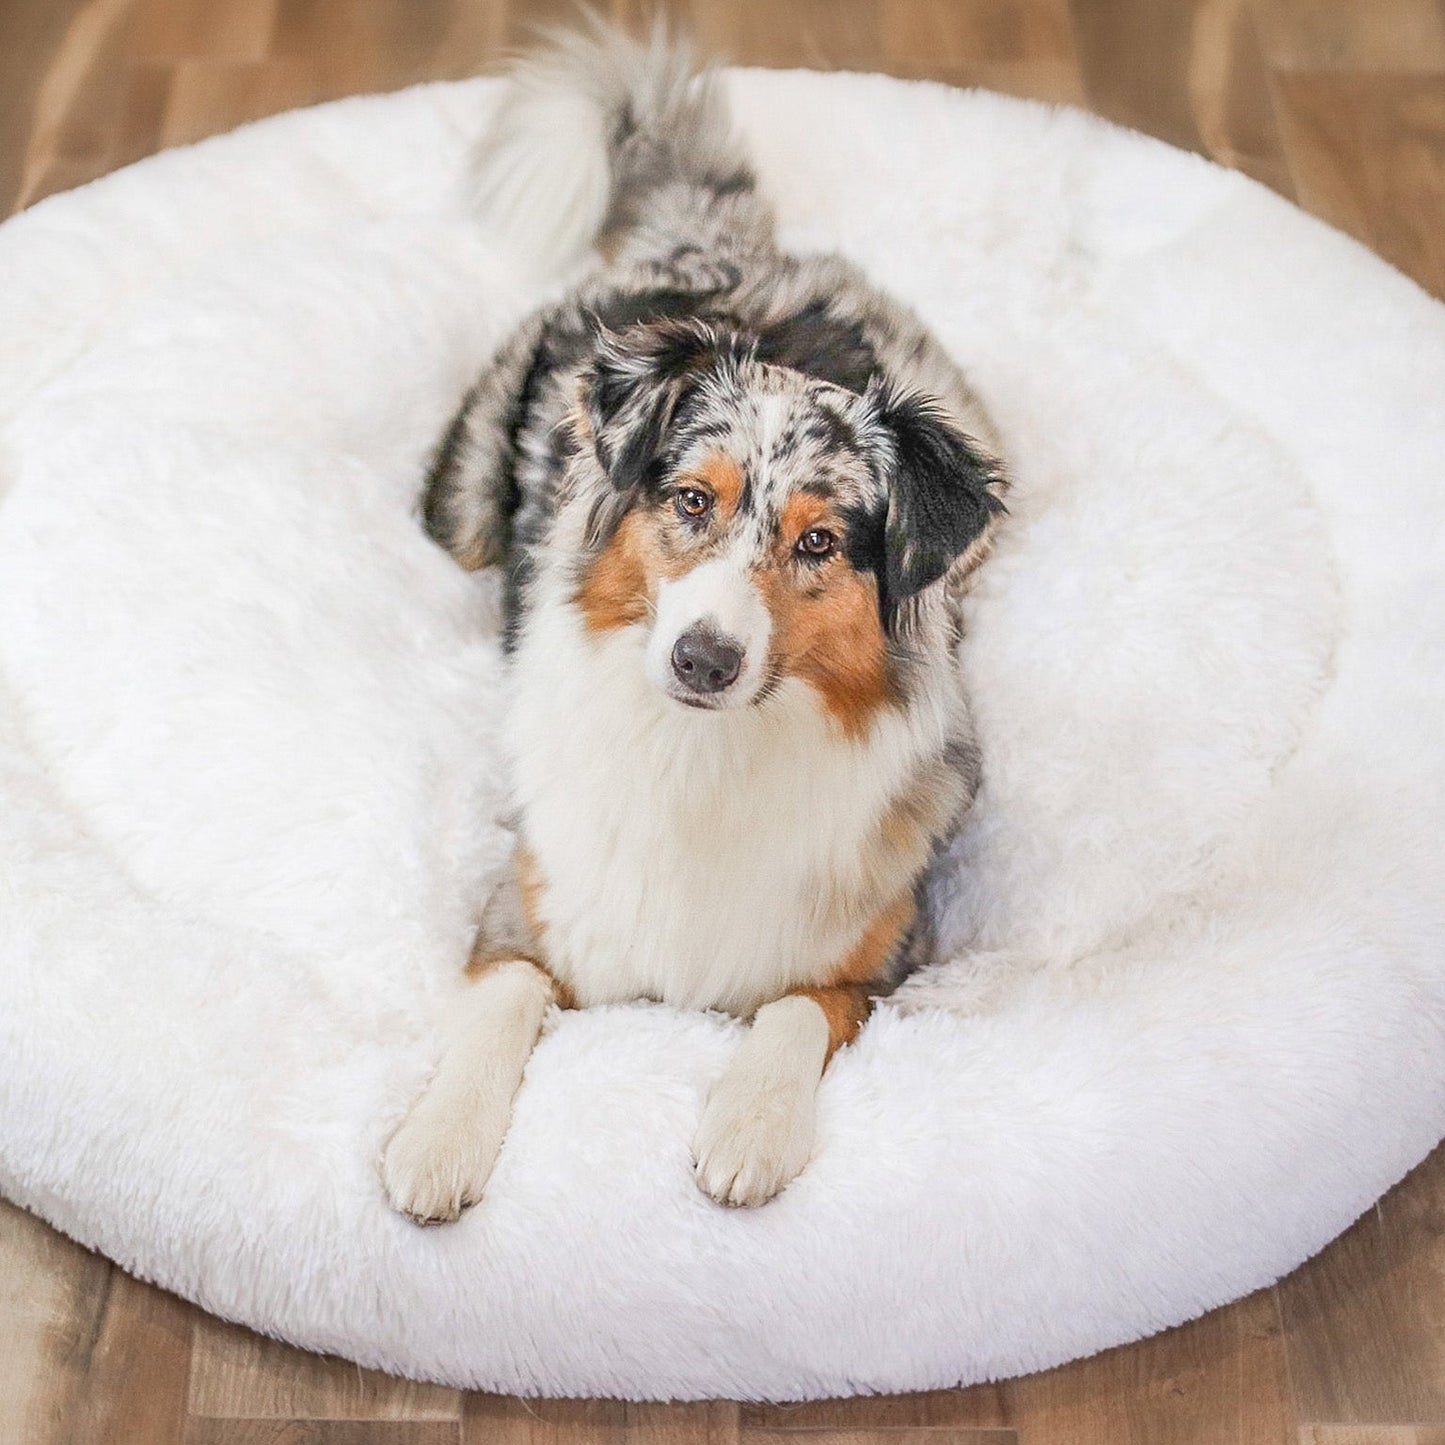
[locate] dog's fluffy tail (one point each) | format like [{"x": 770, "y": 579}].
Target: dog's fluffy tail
[{"x": 601, "y": 137}]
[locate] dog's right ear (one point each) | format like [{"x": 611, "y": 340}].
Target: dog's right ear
[{"x": 632, "y": 389}]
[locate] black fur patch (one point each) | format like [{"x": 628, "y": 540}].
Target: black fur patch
[
  {"x": 832, "y": 430},
  {"x": 734, "y": 183},
  {"x": 939, "y": 495},
  {"x": 623, "y": 309},
  {"x": 821, "y": 345},
  {"x": 863, "y": 541}
]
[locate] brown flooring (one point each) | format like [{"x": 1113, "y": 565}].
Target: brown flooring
[{"x": 1339, "y": 104}]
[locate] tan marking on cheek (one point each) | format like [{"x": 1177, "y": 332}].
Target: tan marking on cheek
[
  {"x": 621, "y": 583},
  {"x": 723, "y": 477},
  {"x": 833, "y": 641}
]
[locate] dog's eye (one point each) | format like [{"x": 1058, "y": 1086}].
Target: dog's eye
[
  {"x": 816, "y": 543},
  {"x": 693, "y": 503}
]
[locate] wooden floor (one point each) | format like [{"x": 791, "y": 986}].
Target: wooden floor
[{"x": 1339, "y": 104}]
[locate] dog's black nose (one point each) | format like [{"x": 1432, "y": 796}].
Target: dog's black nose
[{"x": 704, "y": 662}]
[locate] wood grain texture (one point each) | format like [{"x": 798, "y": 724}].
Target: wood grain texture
[
  {"x": 981, "y": 1408},
  {"x": 881, "y": 1435},
  {"x": 1360, "y": 36},
  {"x": 134, "y": 1387},
  {"x": 1365, "y": 1320},
  {"x": 1368, "y": 154},
  {"x": 490, "y": 1418},
  {"x": 1339, "y": 103},
  {"x": 1223, "y": 1377},
  {"x": 236, "y": 1372},
  {"x": 52, "y": 1302},
  {"x": 1373, "y": 1435},
  {"x": 317, "y": 1432}
]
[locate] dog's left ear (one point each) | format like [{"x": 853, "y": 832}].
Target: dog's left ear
[{"x": 943, "y": 490}]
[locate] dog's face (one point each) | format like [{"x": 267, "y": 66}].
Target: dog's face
[{"x": 763, "y": 525}]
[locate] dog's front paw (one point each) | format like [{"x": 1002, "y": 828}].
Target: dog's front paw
[
  {"x": 755, "y": 1137},
  {"x": 439, "y": 1161}
]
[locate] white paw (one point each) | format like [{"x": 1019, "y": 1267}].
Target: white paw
[
  {"x": 439, "y": 1161},
  {"x": 754, "y": 1138}
]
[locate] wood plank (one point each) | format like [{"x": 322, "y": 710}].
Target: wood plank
[
  {"x": 821, "y": 34},
  {"x": 363, "y": 45},
  {"x": 507, "y": 1420},
  {"x": 1400, "y": 36},
  {"x": 60, "y": 105},
  {"x": 87, "y": 1353},
  {"x": 522, "y": 18},
  {"x": 318, "y": 1432},
  {"x": 958, "y": 32},
  {"x": 189, "y": 29},
  {"x": 141, "y": 121},
  {"x": 30, "y": 34},
  {"x": 1368, "y": 154},
  {"x": 235, "y": 1372},
  {"x": 886, "y": 1436},
  {"x": 1193, "y": 75},
  {"x": 982, "y": 1407},
  {"x": 136, "y": 1382},
  {"x": 1134, "y": 56},
  {"x": 1058, "y": 82},
  {"x": 1364, "y": 1322},
  {"x": 1372, "y": 1435},
  {"x": 1018, "y": 47},
  {"x": 59, "y": 175},
  {"x": 1230, "y": 97},
  {"x": 30, "y": 37},
  {"x": 206, "y": 97},
  {"x": 1222, "y": 1377},
  {"x": 52, "y": 1303}
]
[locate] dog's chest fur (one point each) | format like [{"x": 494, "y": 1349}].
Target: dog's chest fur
[{"x": 708, "y": 861}]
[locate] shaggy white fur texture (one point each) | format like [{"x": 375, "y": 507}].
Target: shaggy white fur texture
[{"x": 1197, "y": 1017}]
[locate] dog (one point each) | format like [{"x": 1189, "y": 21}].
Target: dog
[{"x": 737, "y": 495}]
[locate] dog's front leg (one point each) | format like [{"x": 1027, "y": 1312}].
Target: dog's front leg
[
  {"x": 757, "y": 1129},
  {"x": 439, "y": 1161}
]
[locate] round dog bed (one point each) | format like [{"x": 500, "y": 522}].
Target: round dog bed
[{"x": 1191, "y": 1020}]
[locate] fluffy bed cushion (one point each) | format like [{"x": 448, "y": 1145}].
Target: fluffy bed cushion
[{"x": 1191, "y": 1021}]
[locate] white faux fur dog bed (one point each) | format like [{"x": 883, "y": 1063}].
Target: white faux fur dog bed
[{"x": 1197, "y": 1020}]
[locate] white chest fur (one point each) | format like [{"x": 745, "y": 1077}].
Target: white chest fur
[{"x": 710, "y": 860}]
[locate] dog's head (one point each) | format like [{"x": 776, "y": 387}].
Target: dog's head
[{"x": 761, "y": 524}]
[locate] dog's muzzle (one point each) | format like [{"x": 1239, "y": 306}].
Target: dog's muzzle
[{"x": 708, "y": 645}]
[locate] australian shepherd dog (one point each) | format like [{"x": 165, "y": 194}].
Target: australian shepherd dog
[{"x": 736, "y": 495}]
